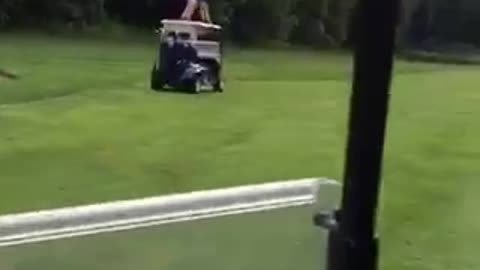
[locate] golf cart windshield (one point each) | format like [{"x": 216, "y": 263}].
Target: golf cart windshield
[{"x": 204, "y": 37}]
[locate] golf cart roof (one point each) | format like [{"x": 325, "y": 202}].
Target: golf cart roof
[
  {"x": 196, "y": 30},
  {"x": 175, "y": 24}
]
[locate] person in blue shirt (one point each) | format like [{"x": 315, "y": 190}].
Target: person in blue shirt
[
  {"x": 186, "y": 53},
  {"x": 170, "y": 57},
  {"x": 179, "y": 56}
]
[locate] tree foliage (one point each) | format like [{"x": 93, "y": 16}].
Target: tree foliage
[{"x": 312, "y": 22}]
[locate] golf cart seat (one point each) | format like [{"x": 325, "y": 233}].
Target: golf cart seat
[{"x": 208, "y": 50}]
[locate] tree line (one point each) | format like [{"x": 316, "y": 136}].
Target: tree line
[{"x": 323, "y": 23}]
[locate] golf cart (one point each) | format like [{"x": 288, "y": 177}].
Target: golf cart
[{"x": 189, "y": 58}]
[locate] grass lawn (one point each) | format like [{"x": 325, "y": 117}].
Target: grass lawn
[{"x": 81, "y": 126}]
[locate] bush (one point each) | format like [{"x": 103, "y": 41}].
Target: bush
[
  {"x": 50, "y": 12},
  {"x": 320, "y": 23},
  {"x": 261, "y": 20}
]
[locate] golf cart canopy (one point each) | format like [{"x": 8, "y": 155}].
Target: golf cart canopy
[{"x": 196, "y": 30}]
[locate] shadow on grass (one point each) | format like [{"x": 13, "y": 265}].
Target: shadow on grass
[{"x": 176, "y": 91}]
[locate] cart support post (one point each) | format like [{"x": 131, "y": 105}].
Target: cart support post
[{"x": 353, "y": 243}]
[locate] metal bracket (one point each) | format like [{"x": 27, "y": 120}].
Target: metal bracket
[
  {"x": 341, "y": 246},
  {"x": 328, "y": 220}
]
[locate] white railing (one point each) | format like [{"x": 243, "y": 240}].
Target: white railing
[{"x": 63, "y": 223}]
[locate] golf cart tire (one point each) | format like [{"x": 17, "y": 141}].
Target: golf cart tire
[
  {"x": 218, "y": 87},
  {"x": 192, "y": 87},
  {"x": 156, "y": 81}
]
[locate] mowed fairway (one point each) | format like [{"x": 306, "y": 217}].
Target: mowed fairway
[{"x": 81, "y": 126}]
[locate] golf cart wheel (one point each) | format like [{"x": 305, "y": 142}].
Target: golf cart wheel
[
  {"x": 193, "y": 86},
  {"x": 156, "y": 80},
  {"x": 219, "y": 87}
]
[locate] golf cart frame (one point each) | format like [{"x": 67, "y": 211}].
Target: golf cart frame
[
  {"x": 353, "y": 241},
  {"x": 207, "y": 71}
]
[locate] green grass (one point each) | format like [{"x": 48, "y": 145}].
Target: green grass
[{"x": 81, "y": 126}]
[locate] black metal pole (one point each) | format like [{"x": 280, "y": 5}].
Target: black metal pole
[{"x": 353, "y": 241}]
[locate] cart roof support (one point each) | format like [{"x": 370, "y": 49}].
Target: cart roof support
[{"x": 353, "y": 242}]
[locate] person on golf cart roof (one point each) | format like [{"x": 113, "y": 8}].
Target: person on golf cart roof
[
  {"x": 196, "y": 10},
  {"x": 192, "y": 10}
]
